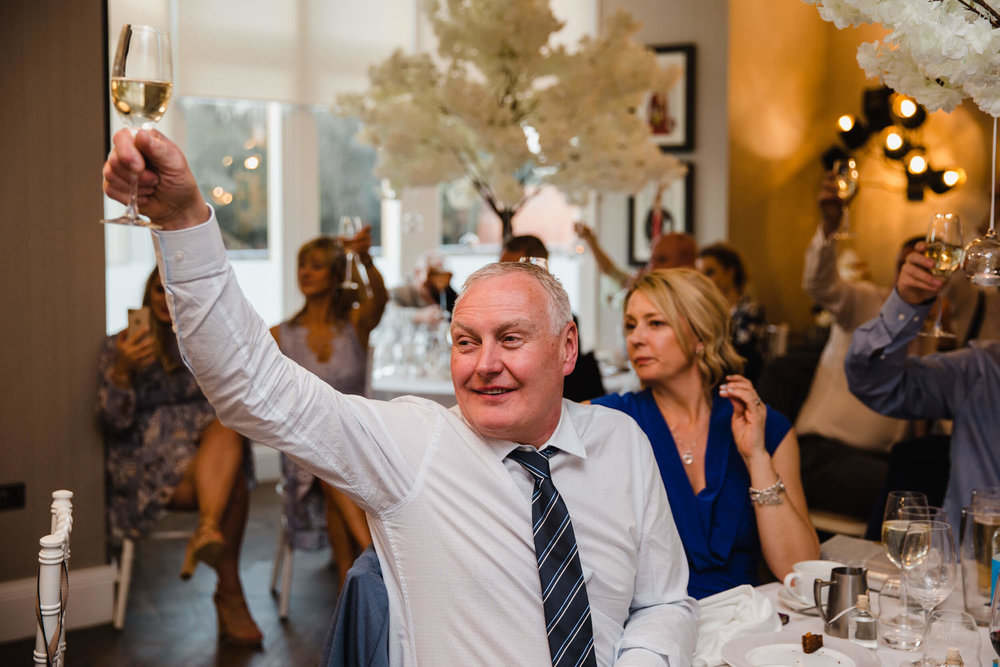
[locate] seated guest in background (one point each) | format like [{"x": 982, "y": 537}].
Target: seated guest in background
[
  {"x": 525, "y": 246},
  {"x": 730, "y": 464},
  {"x": 585, "y": 381},
  {"x": 962, "y": 385},
  {"x": 674, "y": 250},
  {"x": 431, "y": 284},
  {"x": 844, "y": 444},
  {"x": 167, "y": 450},
  {"x": 449, "y": 493},
  {"x": 329, "y": 337},
  {"x": 722, "y": 264}
]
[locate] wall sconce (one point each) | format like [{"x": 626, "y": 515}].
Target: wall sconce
[{"x": 895, "y": 119}]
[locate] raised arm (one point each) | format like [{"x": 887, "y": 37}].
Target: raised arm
[
  {"x": 606, "y": 265},
  {"x": 880, "y": 373},
  {"x": 786, "y": 534},
  {"x": 369, "y": 312}
]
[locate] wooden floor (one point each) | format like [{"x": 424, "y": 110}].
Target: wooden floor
[{"x": 172, "y": 622}]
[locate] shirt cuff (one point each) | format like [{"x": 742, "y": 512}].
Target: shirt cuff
[
  {"x": 902, "y": 318},
  {"x": 191, "y": 253}
]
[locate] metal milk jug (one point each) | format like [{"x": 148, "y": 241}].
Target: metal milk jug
[{"x": 846, "y": 584}]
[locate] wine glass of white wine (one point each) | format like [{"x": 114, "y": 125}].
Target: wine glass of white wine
[
  {"x": 141, "y": 83},
  {"x": 350, "y": 227},
  {"x": 944, "y": 246},
  {"x": 846, "y": 178}
]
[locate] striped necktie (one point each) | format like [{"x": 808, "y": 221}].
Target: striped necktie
[{"x": 564, "y": 593}]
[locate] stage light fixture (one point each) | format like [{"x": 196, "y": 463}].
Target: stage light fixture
[
  {"x": 916, "y": 162},
  {"x": 944, "y": 180},
  {"x": 853, "y": 132},
  {"x": 894, "y": 144},
  {"x": 906, "y": 110}
]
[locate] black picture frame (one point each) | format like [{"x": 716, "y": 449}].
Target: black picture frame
[
  {"x": 677, "y": 204},
  {"x": 670, "y": 114}
]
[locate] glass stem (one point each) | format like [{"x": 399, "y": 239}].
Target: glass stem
[
  {"x": 940, "y": 309},
  {"x": 132, "y": 209}
]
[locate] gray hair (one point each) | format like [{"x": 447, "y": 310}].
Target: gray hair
[{"x": 560, "y": 313}]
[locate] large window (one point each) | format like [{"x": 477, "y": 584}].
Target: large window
[
  {"x": 227, "y": 149},
  {"x": 347, "y": 182}
]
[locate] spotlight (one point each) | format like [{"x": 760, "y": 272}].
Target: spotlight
[
  {"x": 943, "y": 181},
  {"x": 910, "y": 114},
  {"x": 853, "y": 132},
  {"x": 894, "y": 144},
  {"x": 915, "y": 162}
]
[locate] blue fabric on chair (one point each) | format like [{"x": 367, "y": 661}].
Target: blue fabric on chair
[{"x": 359, "y": 636}]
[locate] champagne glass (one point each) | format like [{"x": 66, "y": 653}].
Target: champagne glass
[
  {"x": 929, "y": 563},
  {"x": 351, "y": 226},
  {"x": 894, "y": 524},
  {"x": 846, "y": 178},
  {"x": 141, "y": 84},
  {"x": 944, "y": 246}
]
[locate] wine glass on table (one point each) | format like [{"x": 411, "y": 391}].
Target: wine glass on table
[
  {"x": 929, "y": 563},
  {"x": 846, "y": 178},
  {"x": 894, "y": 523},
  {"x": 141, "y": 83},
  {"x": 944, "y": 246}
]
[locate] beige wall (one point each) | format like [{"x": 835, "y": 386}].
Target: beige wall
[
  {"x": 52, "y": 143},
  {"x": 790, "y": 76}
]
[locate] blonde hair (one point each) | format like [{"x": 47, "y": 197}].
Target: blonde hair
[
  {"x": 341, "y": 300},
  {"x": 698, "y": 313}
]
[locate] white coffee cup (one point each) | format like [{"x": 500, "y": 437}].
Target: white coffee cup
[{"x": 799, "y": 582}]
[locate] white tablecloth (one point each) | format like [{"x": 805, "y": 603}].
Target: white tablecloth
[{"x": 889, "y": 657}]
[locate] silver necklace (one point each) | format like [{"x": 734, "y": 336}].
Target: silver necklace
[{"x": 687, "y": 455}]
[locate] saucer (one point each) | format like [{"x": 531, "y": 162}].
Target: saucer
[{"x": 795, "y": 604}]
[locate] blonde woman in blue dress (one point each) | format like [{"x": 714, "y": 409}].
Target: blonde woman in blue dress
[{"x": 329, "y": 337}]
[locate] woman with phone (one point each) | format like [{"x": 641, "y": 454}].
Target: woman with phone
[
  {"x": 167, "y": 450},
  {"x": 329, "y": 337}
]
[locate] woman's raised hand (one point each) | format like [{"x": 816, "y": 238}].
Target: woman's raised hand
[{"x": 749, "y": 415}]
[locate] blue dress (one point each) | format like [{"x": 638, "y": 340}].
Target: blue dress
[{"x": 717, "y": 526}]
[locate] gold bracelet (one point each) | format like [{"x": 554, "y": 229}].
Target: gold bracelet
[{"x": 769, "y": 496}]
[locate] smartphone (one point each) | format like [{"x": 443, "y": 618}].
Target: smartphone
[{"x": 138, "y": 319}]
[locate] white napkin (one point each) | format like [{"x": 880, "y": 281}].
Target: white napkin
[{"x": 729, "y": 614}]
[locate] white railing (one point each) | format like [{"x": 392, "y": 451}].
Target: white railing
[{"x": 53, "y": 584}]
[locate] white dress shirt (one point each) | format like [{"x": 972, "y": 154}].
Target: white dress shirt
[{"x": 450, "y": 517}]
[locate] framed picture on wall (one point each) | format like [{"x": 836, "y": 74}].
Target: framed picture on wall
[
  {"x": 653, "y": 212},
  {"x": 670, "y": 113}
]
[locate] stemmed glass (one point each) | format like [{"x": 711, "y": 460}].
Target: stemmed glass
[
  {"x": 351, "y": 226},
  {"x": 141, "y": 84},
  {"x": 846, "y": 178},
  {"x": 895, "y": 523},
  {"x": 929, "y": 563},
  {"x": 944, "y": 246},
  {"x": 982, "y": 255}
]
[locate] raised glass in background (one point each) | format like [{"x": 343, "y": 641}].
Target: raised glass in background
[
  {"x": 944, "y": 246},
  {"x": 846, "y": 178}
]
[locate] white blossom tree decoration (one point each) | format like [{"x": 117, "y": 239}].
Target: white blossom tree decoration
[
  {"x": 504, "y": 107},
  {"x": 936, "y": 51}
]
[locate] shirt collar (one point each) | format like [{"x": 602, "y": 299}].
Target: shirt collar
[{"x": 565, "y": 438}]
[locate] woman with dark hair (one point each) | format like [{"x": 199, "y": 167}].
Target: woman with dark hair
[
  {"x": 329, "y": 337},
  {"x": 729, "y": 463},
  {"x": 722, "y": 264},
  {"x": 167, "y": 450}
]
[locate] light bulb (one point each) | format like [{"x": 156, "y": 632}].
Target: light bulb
[
  {"x": 845, "y": 123},
  {"x": 893, "y": 141}
]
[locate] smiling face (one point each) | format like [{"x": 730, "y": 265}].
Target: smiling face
[
  {"x": 654, "y": 348},
  {"x": 507, "y": 363}
]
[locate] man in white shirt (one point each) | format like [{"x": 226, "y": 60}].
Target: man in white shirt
[{"x": 450, "y": 513}]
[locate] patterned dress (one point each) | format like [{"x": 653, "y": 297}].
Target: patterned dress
[
  {"x": 305, "y": 508},
  {"x": 151, "y": 431}
]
